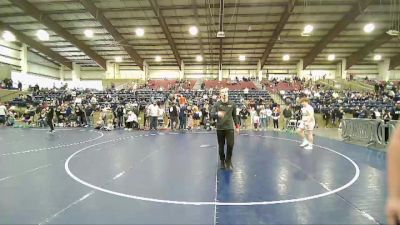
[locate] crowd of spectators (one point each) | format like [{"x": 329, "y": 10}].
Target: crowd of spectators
[
  {"x": 384, "y": 103},
  {"x": 138, "y": 108}
]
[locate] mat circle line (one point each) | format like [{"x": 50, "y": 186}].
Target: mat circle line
[{"x": 308, "y": 198}]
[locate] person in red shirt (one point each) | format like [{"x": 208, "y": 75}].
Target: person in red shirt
[{"x": 182, "y": 100}]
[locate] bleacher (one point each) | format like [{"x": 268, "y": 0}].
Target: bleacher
[
  {"x": 215, "y": 84},
  {"x": 142, "y": 96},
  {"x": 282, "y": 86},
  {"x": 348, "y": 104},
  {"x": 170, "y": 84}
]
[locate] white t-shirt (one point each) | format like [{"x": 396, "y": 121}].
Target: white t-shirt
[
  {"x": 3, "y": 110},
  {"x": 268, "y": 112},
  {"x": 307, "y": 113},
  {"x": 153, "y": 110},
  {"x": 256, "y": 119}
]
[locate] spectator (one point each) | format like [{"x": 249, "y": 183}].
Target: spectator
[
  {"x": 244, "y": 115},
  {"x": 263, "y": 118},
  {"x": 173, "y": 113},
  {"x": 287, "y": 115},
  {"x": 3, "y": 114},
  {"x": 396, "y": 111},
  {"x": 154, "y": 113},
  {"x": 256, "y": 121},
  {"x": 183, "y": 117},
  {"x": 275, "y": 118}
]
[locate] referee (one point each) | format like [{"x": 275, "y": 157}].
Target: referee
[
  {"x": 224, "y": 111},
  {"x": 49, "y": 118}
]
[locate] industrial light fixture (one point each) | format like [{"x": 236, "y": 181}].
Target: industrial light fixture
[
  {"x": 377, "y": 57},
  {"x": 368, "y": 28},
  {"x": 88, "y": 33},
  {"x": 331, "y": 57},
  {"x": 139, "y": 32},
  {"x": 308, "y": 29},
  {"x": 286, "y": 57},
  {"x": 118, "y": 59},
  {"x": 193, "y": 30},
  {"x": 43, "y": 35},
  {"x": 8, "y": 36},
  {"x": 199, "y": 58},
  {"x": 158, "y": 58},
  {"x": 242, "y": 57},
  {"x": 394, "y": 29}
]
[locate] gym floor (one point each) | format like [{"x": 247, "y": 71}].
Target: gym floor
[{"x": 81, "y": 176}]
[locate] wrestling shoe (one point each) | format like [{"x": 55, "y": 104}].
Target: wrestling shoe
[
  {"x": 308, "y": 147},
  {"x": 304, "y": 144}
]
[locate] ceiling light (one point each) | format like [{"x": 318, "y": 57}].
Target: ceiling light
[
  {"x": 118, "y": 59},
  {"x": 393, "y": 32},
  {"x": 43, "y": 35},
  {"x": 139, "y": 32},
  {"x": 242, "y": 57},
  {"x": 158, "y": 58},
  {"x": 199, "y": 58},
  {"x": 88, "y": 33},
  {"x": 368, "y": 28},
  {"x": 8, "y": 36},
  {"x": 286, "y": 57},
  {"x": 193, "y": 30},
  {"x": 308, "y": 29},
  {"x": 331, "y": 57},
  {"x": 377, "y": 57}
]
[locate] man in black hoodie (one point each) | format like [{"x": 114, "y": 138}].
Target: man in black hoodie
[
  {"x": 49, "y": 118},
  {"x": 224, "y": 112}
]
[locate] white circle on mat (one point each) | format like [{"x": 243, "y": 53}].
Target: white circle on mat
[{"x": 166, "y": 201}]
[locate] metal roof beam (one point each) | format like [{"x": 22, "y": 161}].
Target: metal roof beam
[
  {"x": 38, "y": 46},
  {"x": 277, "y": 32},
  {"x": 167, "y": 33},
  {"x": 357, "y": 9},
  {"x": 34, "y": 12},
  {"x": 99, "y": 16},
  {"x": 368, "y": 48}
]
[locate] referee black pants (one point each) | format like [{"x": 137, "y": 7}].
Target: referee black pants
[
  {"x": 50, "y": 123},
  {"x": 229, "y": 137}
]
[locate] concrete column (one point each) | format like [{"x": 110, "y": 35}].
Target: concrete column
[
  {"x": 259, "y": 71},
  {"x": 24, "y": 59},
  {"x": 182, "y": 71},
  {"x": 76, "y": 72},
  {"x": 383, "y": 70},
  {"x": 220, "y": 74},
  {"x": 343, "y": 71},
  {"x": 110, "y": 69},
  {"x": 338, "y": 73},
  {"x": 299, "y": 69},
  {"x": 145, "y": 71},
  {"x": 117, "y": 73},
  {"x": 61, "y": 73}
]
